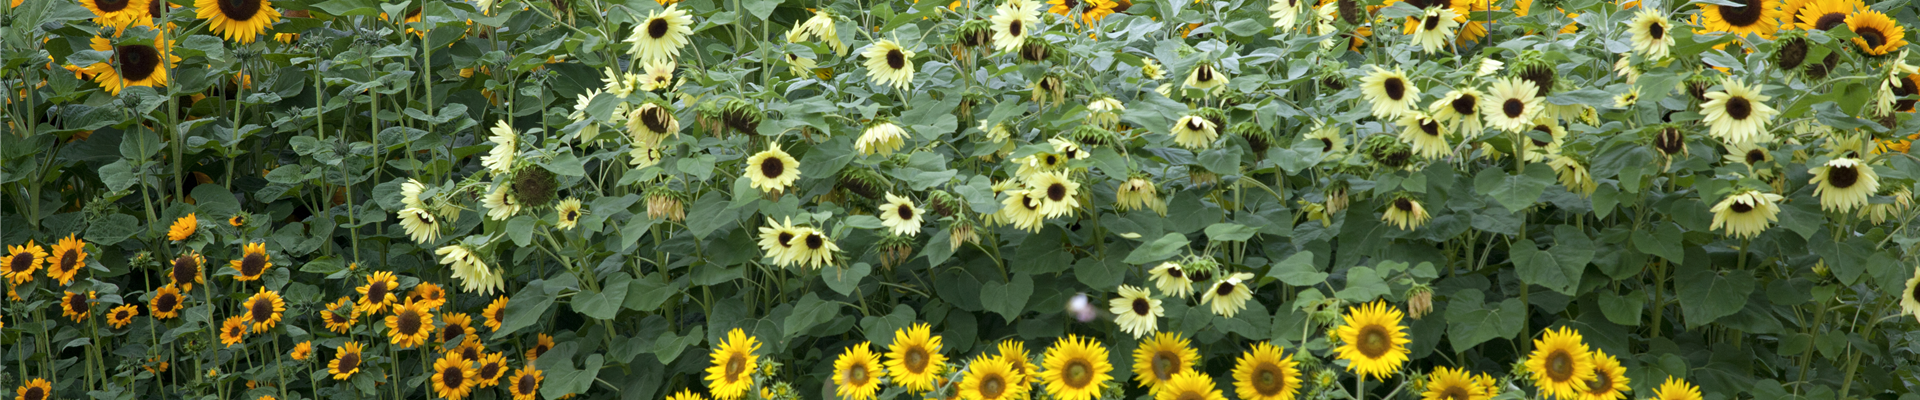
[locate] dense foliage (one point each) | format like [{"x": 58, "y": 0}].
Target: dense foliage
[{"x": 786, "y": 199}]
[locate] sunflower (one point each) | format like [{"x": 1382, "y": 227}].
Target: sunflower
[
  {"x": 36, "y": 389},
  {"x": 814, "y": 249},
  {"x": 1759, "y": 17},
  {"x": 1162, "y": 357},
  {"x": 1021, "y": 208},
  {"x": 1136, "y": 311},
  {"x": 23, "y": 261},
  {"x": 77, "y": 306},
  {"x": 1229, "y": 295},
  {"x": 473, "y": 272},
  {"x": 115, "y": 13},
  {"x": 1675, "y": 389},
  {"x": 1746, "y": 214},
  {"x": 120, "y": 316},
  {"x": 1171, "y": 280},
  {"x": 1453, "y": 384},
  {"x": 687, "y": 394},
  {"x": 1820, "y": 15},
  {"x": 253, "y": 263},
  {"x": 1189, "y": 385},
  {"x": 661, "y": 35},
  {"x": 264, "y": 309},
  {"x": 1427, "y": 135},
  {"x": 428, "y": 295},
  {"x": 469, "y": 349},
  {"x": 1738, "y": 113},
  {"x": 1012, "y": 22},
  {"x": 410, "y": 325},
  {"x": 1076, "y": 368},
  {"x": 184, "y": 226},
  {"x": 1059, "y": 195},
  {"x": 1206, "y": 78},
  {"x": 238, "y": 19},
  {"x": 888, "y": 64},
  {"x": 233, "y": 330},
  {"x": 1560, "y": 364},
  {"x": 1286, "y": 13},
  {"x": 457, "y": 325},
  {"x": 1138, "y": 193},
  {"x": 1194, "y": 132},
  {"x": 540, "y": 346},
  {"x": 185, "y": 271},
  {"x": 1474, "y": 27},
  {"x": 900, "y": 215},
  {"x": 138, "y": 65},
  {"x": 649, "y": 124},
  {"x": 492, "y": 367},
  {"x": 1844, "y": 184},
  {"x": 1573, "y": 175},
  {"x": 733, "y": 365},
  {"x": 1435, "y": 29},
  {"x": 301, "y": 351},
  {"x": 340, "y": 315},
  {"x": 1875, "y": 33},
  {"x": 452, "y": 377},
  {"x": 69, "y": 254},
  {"x": 1406, "y": 214},
  {"x": 776, "y": 241},
  {"x": 495, "y": 313},
  {"x": 856, "y": 373},
  {"x": 377, "y": 294},
  {"x": 1372, "y": 341},
  {"x": 772, "y": 170},
  {"x": 525, "y": 384},
  {"x": 166, "y": 302},
  {"x": 506, "y": 146},
  {"x": 1610, "y": 379},
  {"x": 1390, "y": 92},
  {"x": 1262, "y": 374},
  {"x": 1513, "y": 104},
  {"x": 882, "y": 138},
  {"x": 914, "y": 359},
  {"x": 1650, "y": 33},
  {"x": 1460, "y": 109},
  {"x": 992, "y": 379},
  {"x": 419, "y": 224}
]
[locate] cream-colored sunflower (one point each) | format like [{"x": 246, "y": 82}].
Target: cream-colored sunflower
[
  {"x": 501, "y": 203},
  {"x": 888, "y": 64},
  {"x": 1012, "y": 21},
  {"x": 1194, "y": 132},
  {"x": 1206, "y": 77},
  {"x": 882, "y": 138},
  {"x": 1171, "y": 279},
  {"x": 1390, "y": 92},
  {"x": 1511, "y": 104},
  {"x": 1229, "y": 295},
  {"x": 1426, "y": 134},
  {"x": 772, "y": 170},
  {"x": 1405, "y": 213},
  {"x": 660, "y": 36},
  {"x": 1435, "y": 29},
  {"x": 1651, "y": 33},
  {"x": 1460, "y": 109},
  {"x": 900, "y": 215},
  {"x": 1738, "y": 113},
  {"x": 1746, "y": 214},
  {"x": 1136, "y": 311},
  {"x": 1059, "y": 194},
  {"x": 1844, "y": 184},
  {"x": 1286, "y": 14},
  {"x": 506, "y": 147}
]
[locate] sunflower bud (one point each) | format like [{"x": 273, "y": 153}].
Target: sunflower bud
[
  {"x": 534, "y": 187},
  {"x": 1535, "y": 68},
  {"x": 1826, "y": 66},
  {"x": 742, "y": 116},
  {"x": 707, "y": 114},
  {"x": 665, "y": 204},
  {"x": 1792, "y": 50},
  {"x": 1260, "y": 139},
  {"x": 1386, "y": 151},
  {"x": 1697, "y": 85},
  {"x": 1820, "y": 268},
  {"x": 1049, "y": 89},
  {"x": 1093, "y": 135},
  {"x": 863, "y": 182},
  {"x": 1337, "y": 197},
  {"x": 961, "y": 231},
  {"x": 1037, "y": 50},
  {"x": 894, "y": 250},
  {"x": 1670, "y": 140},
  {"x": 1419, "y": 301},
  {"x": 974, "y": 33},
  {"x": 1214, "y": 115}
]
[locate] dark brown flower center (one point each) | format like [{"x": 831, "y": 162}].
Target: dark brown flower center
[
  {"x": 1756, "y": 156},
  {"x": 1057, "y": 192},
  {"x": 1465, "y": 104},
  {"x": 1542, "y": 128},
  {"x": 165, "y": 303},
  {"x": 1454, "y": 392},
  {"x": 916, "y": 359},
  {"x": 348, "y": 362},
  {"x": 1269, "y": 381},
  {"x": 1513, "y": 108},
  {"x": 815, "y": 241},
  {"x": 1843, "y": 177},
  {"x": 1224, "y": 288},
  {"x": 76, "y": 303},
  {"x": 896, "y": 59},
  {"x": 735, "y": 365},
  {"x": 1078, "y": 374},
  {"x": 122, "y": 315},
  {"x": 407, "y": 322},
  {"x": 526, "y": 385},
  {"x": 20, "y": 263},
  {"x": 1193, "y": 124},
  {"x": 1829, "y": 20},
  {"x": 1142, "y": 307},
  {"x": 1741, "y": 207},
  {"x": 785, "y": 238},
  {"x": 772, "y": 167},
  {"x": 35, "y": 393},
  {"x": 656, "y": 119},
  {"x": 253, "y": 265},
  {"x": 239, "y": 10},
  {"x": 1204, "y": 75},
  {"x": 1742, "y": 17},
  {"x": 1165, "y": 364},
  {"x": 69, "y": 260},
  {"x": 1403, "y": 205},
  {"x": 452, "y": 331},
  {"x": 541, "y": 349},
  {"x": 472, "y": 353},
  {"x": 185, "y": 269},
  {"x": 1602, "y": 383},
  {"x": 1432, "y": 21},
  {"x": 1374, "y": 341},
  {"x": 453, "y": 378},
  {"x": 657, "y": 27},
  {"x": 110, "y": 5},
  {"x": 1395, "y": 88},
  {"x": 377, "y": 292},
  {"x": 1431, "y": 127},
  {"x": 1739, "y": 107},
  {"x": 261, "y": 309},
  {"x": 1873, "y": 36},
  {"x": 1013, "y": 28},
  {"x": 1560, "y": 365},
  {"x": 572, "y": 215},
  {"x": 904, "y": 211},
  {"x": 1657, "y": 30},
  {"x": 491, "y": 370},
  {"x": 1326, "y": 145}
]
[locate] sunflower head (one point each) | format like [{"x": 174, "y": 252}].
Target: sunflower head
[
  {"x": 1560, "y": 364},
  {"x": 1262, "y": 374},
  {"x": 534, "y": 187},
  {"x": 1875, "y": 33},
  {"x": 974, "y": 33},
  {"x": 864, "y": 182},
  {"x": 1160, "y": 358},
  {"x": 1076, "y": 368},
  {"x": 1790, "y": 49},
  {"x": 166, "y": 302},
  {"x": 733, "y": 365},
  {"x": 253, "y": 263},
  {"x": 346, "y": 361},
  {"x": 742, "y": 116},
  {"x": 1372, "y": 340},
  {"x": 1534, "y": 67}
]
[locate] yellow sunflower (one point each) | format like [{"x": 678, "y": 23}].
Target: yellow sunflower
[
  {"x": 253, "y": 263},
  {"x": 992, "y": 379},
  {"x": 733, "y": 365},
  {"x": 340, "y": 315},
  {"x": 452, "y": 377},
  {"x": 69, "y": 255},
  {"x": 686, "y": 394},
  {"x": 377, "y": 294},
  {"x": 495, "y": 313},
  {"x": 1453, "y": 384},
  {"x": 264, "y": 309},
  {"x": 1875, "y": 33},
  {"x": 1015, "y": 353},
  {"x": 410, "y": 325},
  {"x": 1189, "y": 385},
  {"x": 470, "y": 349},
  {"x": 1076, "y": 368},
  {"x": 428, "y": 295},
  {"x": 1609, "y": 379},
  {"x": 525, "y": 384},
  {"x": 302, "y": 351},
  {"x": 1560, "y": 364},
  {"x": 77, "y": 306},
  {"x": 116, "y": 12},
  {"x": 36, "y": 389},
  {"x": 346, "y": 361},
  {"x": 185, "y": 271},
  {"x": 1759, "y": 17},
  {"x": 1262, "y": 374},
  {"x": 1820, "y": 15},
  {"x": 492, "y": 367},
  {"x": 1160, "y": 358},
  {"x": 1675, "y": 389},
  {"x": 238, "y": 19},
  {"x": 166, "y": 302},
  {"x": 136, "y": 60},
  {"x": 540, "y": 346},
  {"x": 457, "y": 325},
  {"x": 914, "y": 358},
  {"x": 233, "y": 330},
  {"x": 1372, "y": 341},
  {"x": 120, "y": 316},
  {"x": 856, "y": 373},
  {"x": 23, "y": 261}
]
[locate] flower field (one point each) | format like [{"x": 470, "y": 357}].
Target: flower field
[{"x": 971, "y": 199}]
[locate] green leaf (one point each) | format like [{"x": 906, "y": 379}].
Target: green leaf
[
  {"x": 1159, "y": 249},
  {"x": 1363, "y": 285},
  {"x": 1230, "y": 232},
  {"x": 809, "y": 312},
  {"x": 708, "y": 214},
  {"x": 525, "y": 308},
  {"x": 1623, "y": 310},
  {"x": 1706, "y": 295},
  {"x": 668, "y": 347},
  {"x": 1298, "y": 270},
  {"x": 1470, "y": 322},
  {"x": 1515, "y": 192},
  {"x": 1007, "y": 298},
  {"x": 647, "y": 294},
  {"x": 348, "y": 7},
  {"x": 112, "y": 229},
  {"x": 606, "y": 303},
  {"x": 1558, "y": 268},
  {"x": 1663, "y": 240},
  {"x": 520, "y": 229},
  {"x": 1583, "y": 96},
  {"x": 844, "y": 280}
]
